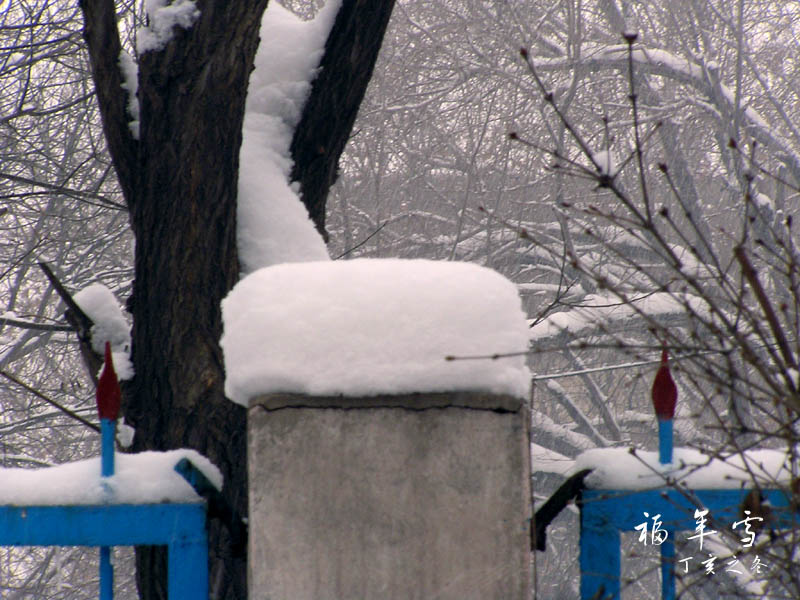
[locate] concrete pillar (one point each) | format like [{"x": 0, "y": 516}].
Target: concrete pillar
[{"x": 406, "y": 496}]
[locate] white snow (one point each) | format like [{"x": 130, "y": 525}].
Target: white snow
[
  {"x": 100, "y": 305},
  {"x": 125, "y": 433},
  {"x": 130, "y": 83},
  {"x": 541, "y": 422},
  {"x": 690, "y": 264},
  {"x": 618, "y": 468},
  {"x": 544, "y": 460},
  {"x": 273, "y": 224},
  {"x": 366, "y": 327},
  {"x": 795, "y": 376},
  {"x": 162, "y": 16},
  {"x": 763, "y": 201},
  {"x": 147, "y": 477},
  {"x": 606, "y": 162}
]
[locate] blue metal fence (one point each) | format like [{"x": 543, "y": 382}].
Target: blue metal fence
[
  {"x": 607, "y": 513},
  {"x": 181, "y": 527}
]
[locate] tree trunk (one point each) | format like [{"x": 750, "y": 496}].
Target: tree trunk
[
  {"x": 180, "y": 183},
  {"x": 183, "y": 214}
]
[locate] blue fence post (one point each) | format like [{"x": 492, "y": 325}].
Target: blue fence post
[
  {"x": 109, "y": 396},
  {"x": 600, "y": 561},
  {"x": 107, "y": 430},
  {"x": 665, "y": 441},
  {"x": 181, "y": 527},
  {"x": 668, "y": 567},
  {"x": 106, "y": 574},
  {"x": 607, "y": 512},
  {"x": 668, "y": 546},
  {"x": 187, "y": 569}
]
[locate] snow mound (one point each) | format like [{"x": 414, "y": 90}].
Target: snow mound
[
  {"x": 273, "y": 224},
  {"x": 163, "y": 16},
  {"x": 620, "y": 469},
  {"x": 606, "y": 162},
  {"x": 545, "y": 460},
  {"x": 130, "y": 83},
  {"x": 100, "y": 305},
  {"x": 148, "y": 477},
  {"x": 367, "y": 327}
]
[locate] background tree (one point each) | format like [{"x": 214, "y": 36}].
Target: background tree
[
  {"x": 429, "y": 171},
  {"x": 603, "y": 287}
]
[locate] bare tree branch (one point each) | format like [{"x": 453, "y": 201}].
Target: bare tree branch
[{"x": 22, "y": 324}]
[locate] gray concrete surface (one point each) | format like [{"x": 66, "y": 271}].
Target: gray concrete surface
[{"x": 389, "y": 497}]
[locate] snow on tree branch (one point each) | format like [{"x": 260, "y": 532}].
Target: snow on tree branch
[
  {"x": 273, "y": 224},
  {"x": 162, "y": 18},
  {"x": 130, "y": 76},
  {"x": 100, "y": 305},
  {"x": 613, "y": 314},
  {"x": 700, "y": 76}
]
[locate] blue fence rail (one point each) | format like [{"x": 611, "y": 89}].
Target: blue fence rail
[{"x": 181, "y": 527}]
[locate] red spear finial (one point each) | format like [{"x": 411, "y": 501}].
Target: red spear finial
[
  {"x": 109, "y": 393},
  {"x": 665, "y": 393}
]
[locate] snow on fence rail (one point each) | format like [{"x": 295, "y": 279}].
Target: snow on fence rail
[
  {"x": 146, "y": 502},
  {"x": 151, "y": 498}
]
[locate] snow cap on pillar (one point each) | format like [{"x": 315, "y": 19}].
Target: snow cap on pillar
[{"x": 367, "y": 327}]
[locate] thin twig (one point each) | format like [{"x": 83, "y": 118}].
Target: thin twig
[
  {"x": 630, "y": 39},
  {"x": 364, "y": 241},
  {"x": 50, "y": 401},
  {"x": 22, "y": 324},
  {"x": 61, "y": 189}
]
